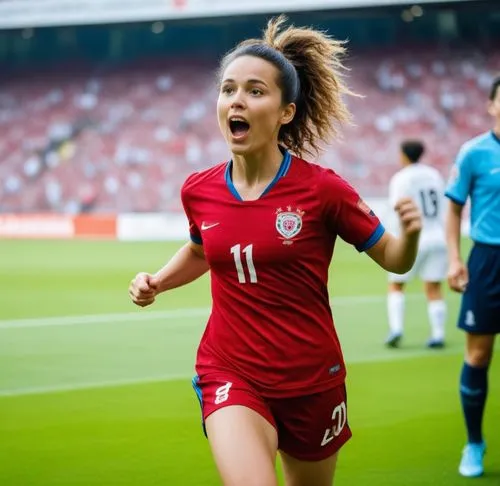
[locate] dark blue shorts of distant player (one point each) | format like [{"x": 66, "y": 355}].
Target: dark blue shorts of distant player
[{"x": 480, "y": 310}]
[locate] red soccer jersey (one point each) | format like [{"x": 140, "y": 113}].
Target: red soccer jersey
[{"x": 271, "y": 320}]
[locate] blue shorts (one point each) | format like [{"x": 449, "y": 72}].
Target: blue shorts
[{"x": 480, "y": 310}]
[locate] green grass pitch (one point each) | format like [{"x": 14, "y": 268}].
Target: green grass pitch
[{"x": 95, "y": 392}]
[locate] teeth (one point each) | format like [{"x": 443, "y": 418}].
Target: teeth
[{"x": 236, "y": 118}]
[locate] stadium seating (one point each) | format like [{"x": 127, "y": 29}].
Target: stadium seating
[{"x": 86, "y": 140}]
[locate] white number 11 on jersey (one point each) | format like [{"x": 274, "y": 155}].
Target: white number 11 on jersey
[{"x": 236, "y": 252}]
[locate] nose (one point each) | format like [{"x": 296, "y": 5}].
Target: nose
[{"x": 238, "y": 100}]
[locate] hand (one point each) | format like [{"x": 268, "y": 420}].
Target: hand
[
  {"x": 409, "y": 216},
  {"x": 458, "y": 276},
  {"x": 143, "y": 289}
]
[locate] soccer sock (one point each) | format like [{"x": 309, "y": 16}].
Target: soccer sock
[
  {"x": 473, "y": 392},
  {"x": 396, "y": 310},
  {"x": 437, "y": 317}
]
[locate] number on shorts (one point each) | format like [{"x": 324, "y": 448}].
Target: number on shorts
[
  {"x": 339, "y": 419},
  {"x": 222, "y": 393}
]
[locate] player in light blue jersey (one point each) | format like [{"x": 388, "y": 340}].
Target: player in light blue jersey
[{"x": 476, "y": 175}]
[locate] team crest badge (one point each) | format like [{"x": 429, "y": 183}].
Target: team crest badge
[{"x": 289, "y": 223}]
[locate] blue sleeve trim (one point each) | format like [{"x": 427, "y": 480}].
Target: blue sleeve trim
[
  {"x": 376, "y": 235},
  {"x": 196, "y": 240},
  {"x": 454, "y": 199}
]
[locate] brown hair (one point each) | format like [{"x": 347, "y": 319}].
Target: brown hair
[
  {"x": 310, "y": 66},
  {"x": 495, "y": 85}
]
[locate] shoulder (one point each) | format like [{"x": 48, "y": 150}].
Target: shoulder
[
  {"x": 197, "y": 179},
  {"x": 399, "y": 175},
  {"x": 328, "y": 186},
  {"x": 431, "y": 171},
  {"x": 321, "y": 176},
  {"x": 475, "y": 145},
  {"x": 313, "y": 175},
  {"x": 400, "y": 179}
]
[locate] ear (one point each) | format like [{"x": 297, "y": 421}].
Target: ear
[
  {"x": 491, "y": 108},
  {"x": 288, "y": 113}
]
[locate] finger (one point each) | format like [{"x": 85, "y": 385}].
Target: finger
[
  {"x": 143, "y": 295},
  {"x": 138, "y": 293},
  {"x": 138, "y": 288},
  {"x": 402, "y": 202},
  {"x": 144, "y": 302},
  {"x": 408, "y": 208},
  {"x": 141, "y": 281},
  {"x": 454, "y": 286},
  {"x": 410, "y": 215},
  {"x": 457, "y": 284},
  {"x": 411, "y": 218},
  {"x": 143, "y": 286}
]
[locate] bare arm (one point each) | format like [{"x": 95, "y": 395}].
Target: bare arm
[
  {"x": 458, "y": 275},
  {"x": 186, "y": 265},
  {"x": 453, "y": 230},
  {"x": 397, "y": 255}
]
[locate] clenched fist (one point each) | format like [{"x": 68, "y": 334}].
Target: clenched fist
[
  {"x": 458, "y": 276},
  {"x": 409, "y": 216},
  {"x": 143, "y": 289}
]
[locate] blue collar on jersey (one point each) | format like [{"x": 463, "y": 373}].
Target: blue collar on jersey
[
  {"x": 283, "y": 170},
  {"x": 495, "y": 136}
]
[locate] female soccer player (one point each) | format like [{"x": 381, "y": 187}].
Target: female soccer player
[{"x": 270, "y": 371}]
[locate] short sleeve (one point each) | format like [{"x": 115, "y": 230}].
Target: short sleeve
[
  {"x": 460, "y": 181},
  {"x": 194, "y": 231},
  {"x": 347, "y": 214}
]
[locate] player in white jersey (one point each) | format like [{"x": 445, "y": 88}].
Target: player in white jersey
[{"x": 426, "y": 187}]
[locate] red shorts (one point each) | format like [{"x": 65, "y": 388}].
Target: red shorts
[{"x": 310, "y": 428}]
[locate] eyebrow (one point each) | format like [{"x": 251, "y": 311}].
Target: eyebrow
[{"x": 249, "y": 81}]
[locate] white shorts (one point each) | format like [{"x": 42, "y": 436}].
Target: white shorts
[{"x": 431, "y": 265}]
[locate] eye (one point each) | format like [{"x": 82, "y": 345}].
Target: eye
[
  {"x": 256, "y": 92},
  {"x": 227, "y": 90}
]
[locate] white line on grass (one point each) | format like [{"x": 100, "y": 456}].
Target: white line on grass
[
  {"x": 156, "y": 315},
  {"x": 42, "y": 390},
  {"x": 104, "y": 318},
  {"x": 69, "y": 387}
]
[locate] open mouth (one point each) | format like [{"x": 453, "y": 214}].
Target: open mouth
[{"x": 239, "y": 128}]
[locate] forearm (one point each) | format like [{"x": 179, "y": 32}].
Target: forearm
[
  {"x": 453, "y": 231},
  {"x": 184, "y": 267},
  {"x": 395, "y": 255},
  {"x": 400, "y": 253}
]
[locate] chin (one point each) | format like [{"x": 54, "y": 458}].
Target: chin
[{"x": 239, "y": 149}]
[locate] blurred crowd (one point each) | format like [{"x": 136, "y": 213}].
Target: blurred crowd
[{"x": 124, "y": 140}]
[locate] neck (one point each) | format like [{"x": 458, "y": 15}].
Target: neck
[
  {"x": 496, "y": 129},
  {"x": 257, "y": 168}
]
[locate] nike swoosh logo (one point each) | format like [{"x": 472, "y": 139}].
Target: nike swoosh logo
[{"x": 208, "y": 226}]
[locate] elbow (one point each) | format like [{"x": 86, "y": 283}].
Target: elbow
[
  {"x": 402, "y": 268},
  {"x": 405, "y": 264},
  {"x": 399, "y": 268}
]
